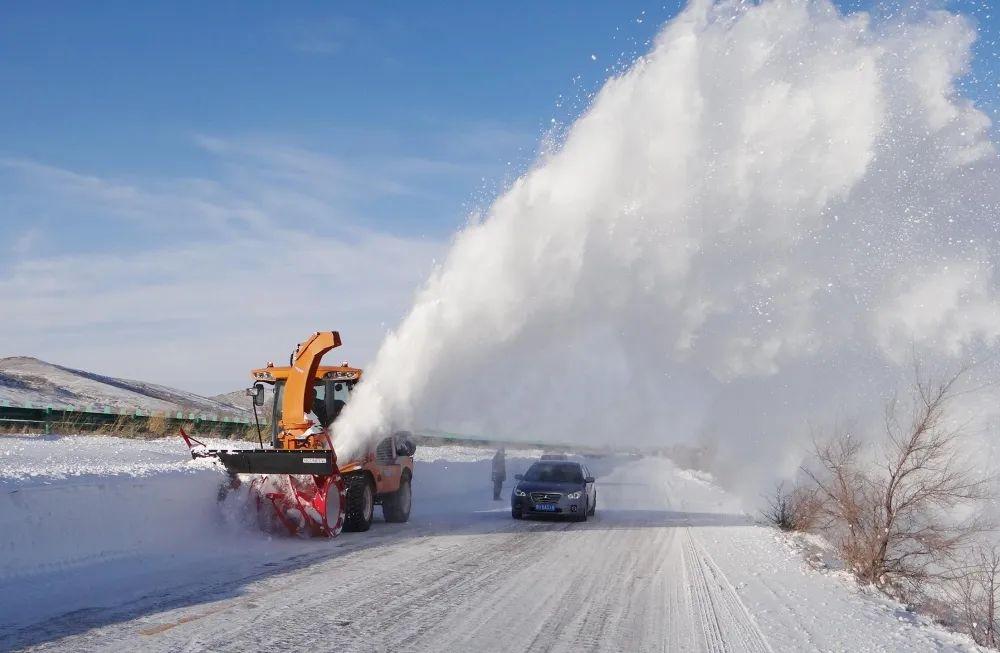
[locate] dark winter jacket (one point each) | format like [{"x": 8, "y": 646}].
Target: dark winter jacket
[{"x": 499, "y": 466}]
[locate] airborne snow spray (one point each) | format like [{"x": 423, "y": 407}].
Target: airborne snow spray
[{"x": 749, "y": 232}]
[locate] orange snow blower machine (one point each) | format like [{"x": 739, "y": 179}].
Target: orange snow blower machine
[{"x": 296, "y": 482}]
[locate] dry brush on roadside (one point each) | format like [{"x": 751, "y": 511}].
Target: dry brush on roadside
[
  {"x": 797, "y": 508},
  {"x": 973, "y": 596},
  {"x": 902, "y": 504}
]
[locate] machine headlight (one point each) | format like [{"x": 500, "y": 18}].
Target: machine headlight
[
  {"x": 518, "y": 492},
  {"x": 574, "y": 495}
]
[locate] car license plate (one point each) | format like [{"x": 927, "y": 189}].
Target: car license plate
[{"x": 545, "y": 507}]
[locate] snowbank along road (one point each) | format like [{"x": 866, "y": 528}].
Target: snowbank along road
[{"x": 153, "y": 563}]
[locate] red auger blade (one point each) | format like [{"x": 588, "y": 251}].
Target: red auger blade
[{"x": 303, "y": 505}]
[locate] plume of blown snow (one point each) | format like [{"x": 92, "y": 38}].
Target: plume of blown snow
[{"x": 749, "y": 231}]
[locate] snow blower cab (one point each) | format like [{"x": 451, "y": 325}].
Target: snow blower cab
[{"x": 297, "y": 473}]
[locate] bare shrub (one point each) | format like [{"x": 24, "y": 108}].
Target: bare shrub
[
  {"x": 892, "y": 502},
  {"x": 250, "y": 434},
  {"x": 797, "y": 509},
  {"x": 157, "y": 424},
  {"x": 125, "y": 426},
  {"x": 17, "y": 429},
  {"x": 974, "y": 593}
]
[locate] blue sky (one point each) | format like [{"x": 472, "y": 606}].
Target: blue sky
[
  {"x": 189, "y": 188},
  {"x": 128, "y": 88}
]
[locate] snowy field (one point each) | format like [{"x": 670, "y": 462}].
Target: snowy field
[{"x": 109, "y": 544}]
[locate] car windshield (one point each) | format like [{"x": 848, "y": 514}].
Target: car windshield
[{"x": 554, "y": 473}]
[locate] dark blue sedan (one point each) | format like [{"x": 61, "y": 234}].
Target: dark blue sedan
[{"x": 554, "y": 487}]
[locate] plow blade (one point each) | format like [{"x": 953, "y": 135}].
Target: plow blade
[{"x": 251, "y": 461}]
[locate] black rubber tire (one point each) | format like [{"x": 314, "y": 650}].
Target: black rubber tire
[
  {"x": 593, "y": 508},
  {"x": 396, "y": 506},
  {"x": 360, "y": 507},
  {"x": 516, "y": 514}
]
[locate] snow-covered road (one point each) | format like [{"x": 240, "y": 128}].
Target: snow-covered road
[{"x": 668, "y": 564}]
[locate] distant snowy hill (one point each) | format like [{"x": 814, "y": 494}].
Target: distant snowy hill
[
  {"x": 239, "y": 400},
  {"x": 26, "y": 380}
]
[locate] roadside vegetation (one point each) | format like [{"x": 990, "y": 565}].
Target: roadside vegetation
[{"x": 904, "y": 506}]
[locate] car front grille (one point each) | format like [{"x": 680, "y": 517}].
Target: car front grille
[{"x": 545, "y": 497}]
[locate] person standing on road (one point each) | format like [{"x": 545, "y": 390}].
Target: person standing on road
[{"x": 499, "y": 472}]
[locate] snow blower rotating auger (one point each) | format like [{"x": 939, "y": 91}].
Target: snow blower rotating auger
[{"x": 297, "y": 483}]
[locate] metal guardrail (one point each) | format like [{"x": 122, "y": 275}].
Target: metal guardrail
[
  {"x": 55, "y": 418},
  {"x": 48, "y": 417}
]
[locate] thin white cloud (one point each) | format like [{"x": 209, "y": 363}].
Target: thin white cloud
[
  {"x": 235, "y": 270},
  {"x": 222, "y": 271},
  {"x": 199, "y": 316},
  {"x": 26, "y": 242}
]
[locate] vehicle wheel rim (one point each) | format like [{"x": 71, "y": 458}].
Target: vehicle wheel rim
[{"x": 369, "y": 503}]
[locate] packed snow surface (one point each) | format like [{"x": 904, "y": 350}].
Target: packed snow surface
[
  {"x": 31, "y": 460},
  {"x": 95, "y": 558}
]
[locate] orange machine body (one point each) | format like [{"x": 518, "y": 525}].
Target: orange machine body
[
  {"x": 380, "y": 463},
  {"x": 298, "y": 483}
]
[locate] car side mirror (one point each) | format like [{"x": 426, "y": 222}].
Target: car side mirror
[
  {"x": 589, "y": 479},
  {"x": 257, "y": 392},
  {"x": 518, "y": 477}
]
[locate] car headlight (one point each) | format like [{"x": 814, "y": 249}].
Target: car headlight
[
  {"x": 574, "y": 495},
  {"x": 518, "y": 492}
]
